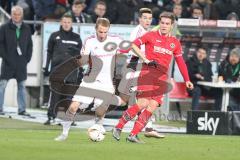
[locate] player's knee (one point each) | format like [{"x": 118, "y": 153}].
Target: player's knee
[
  {"x": 124, "y": 97},
  {"x": 153, "y": 105},
  {"x": 143, "y": 103}
]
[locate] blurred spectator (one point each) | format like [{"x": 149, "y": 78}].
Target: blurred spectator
[
  {"x": 77, "y": 13},
  {"x": 62, "y": 6},
  {"x": 196, "y": 12},
  {"x": 126, "y": 11},
  {"x": 200, "y": 69},
  {"x": 44, "y": 9},
  {"x": 230, "y": 67},
  {"x": 169, "y": 5},
  {"x": 27, "y": 9},
  {"x": 90, "y": 5},
  {"x": 16, "y": 52},
  {"x": 232, "y": 16},
  {"x": 112, "y": 10},
  {"x": 229, "y": 71},
  {"x": 223, "y": 7},
  {"x": 7, "y": 4},
  {"x": 185, "y": 7},
  {"x": 62, "y": 45},
  {"x": 99, "y": 10},
  {"x": 123, "y": 11},
  {"x": 206, "y": 6},
  {"x": 177, "y": 10}
]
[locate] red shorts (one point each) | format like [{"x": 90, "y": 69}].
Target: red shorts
[{"x": 152, "y": 83}]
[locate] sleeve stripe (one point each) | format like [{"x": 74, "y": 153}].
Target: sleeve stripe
[{"x": 179, "y": 55}]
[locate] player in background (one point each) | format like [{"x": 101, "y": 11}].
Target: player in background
[
  {"x": 160, "y": 47},
  {"x": 145, "y": 20},
  {"x": 100, "y": 77}
]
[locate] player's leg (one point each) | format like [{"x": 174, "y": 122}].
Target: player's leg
[
  {"x": 150, "y": 131},
  {"x": 99, "y": 117},
  {"x": 142, "y": 121},
  {"x": 69, "y": 117},
  {"x": 124, "y": 97},
  {"x": 128, "y": 115}
]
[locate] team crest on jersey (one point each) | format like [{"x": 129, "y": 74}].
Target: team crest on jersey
[{"x": 172, "y": 45}]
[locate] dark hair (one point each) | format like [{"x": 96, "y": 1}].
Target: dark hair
[
  {"x": 77, "y": 2},
  {"x": 203, "y": 48},
  {"x": 196, "y": 7},
  {"x": 169, "y": 15},
  {"x": 176, "y": 4},
  {"x": 144, "y": 10},
  {"x": 100, "y": 3}
]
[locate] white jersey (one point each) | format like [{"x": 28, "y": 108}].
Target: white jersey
[
  {"x": 102, "y": 64},
  {"x": 102, "y": 61},
  {"x": 126, "y": 85},
  {"x": 138, "y": 31}
]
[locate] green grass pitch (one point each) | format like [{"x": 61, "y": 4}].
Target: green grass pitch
[{"x": 24, "y": 140}]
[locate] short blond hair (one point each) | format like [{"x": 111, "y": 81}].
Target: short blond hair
[{"x": 103, "y": 22}]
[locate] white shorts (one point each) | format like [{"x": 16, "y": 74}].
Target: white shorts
[{"x": 85, "y": 100}]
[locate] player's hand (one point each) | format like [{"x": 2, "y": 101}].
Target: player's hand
[{"x": 189, "y": 85}]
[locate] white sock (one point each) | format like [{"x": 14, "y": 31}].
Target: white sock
[
  {"x": 66, "y": 127},
  {"x": 149, "y": 124},
  {"x": 98, "y": 120}
]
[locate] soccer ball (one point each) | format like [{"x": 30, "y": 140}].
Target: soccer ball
[{"x": 96, "y": 133}]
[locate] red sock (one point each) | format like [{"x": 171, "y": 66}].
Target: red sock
[
  {"x": 141, "y": 122},
  {"x": 129, "y": 114}
]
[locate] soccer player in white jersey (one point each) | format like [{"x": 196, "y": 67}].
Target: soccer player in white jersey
[
  {"x": 101, "y": 58},
  {"x": 145, "y": 20}
]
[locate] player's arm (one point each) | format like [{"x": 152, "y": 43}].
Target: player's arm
[
  {"x": 183, "y": 69},
  {"x": 137, "y": 51},
  {"x": 84, "y": 59},
  {"x": 136, "y": 46},
  {"x": 182, "y": 65},
  {"x": 85, "y": 52}
]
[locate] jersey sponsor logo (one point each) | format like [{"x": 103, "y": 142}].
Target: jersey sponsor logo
[
  {"x": 158, "y": 41},
  {"x": 162, "y": 50}
]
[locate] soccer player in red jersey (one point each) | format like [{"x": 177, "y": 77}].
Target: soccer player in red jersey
[{"x": 160, "y": 46}]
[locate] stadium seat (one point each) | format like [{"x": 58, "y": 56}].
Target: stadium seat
[{"x": 179, "y": 94}]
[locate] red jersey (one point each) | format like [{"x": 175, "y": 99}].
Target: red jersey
[{"x": 161, "y": 48}]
